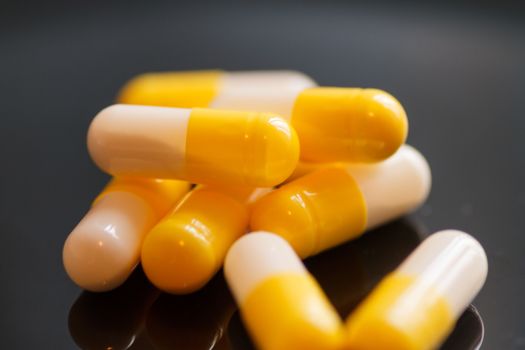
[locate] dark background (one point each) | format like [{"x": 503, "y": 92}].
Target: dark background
[{"x": 458, "y": 69}]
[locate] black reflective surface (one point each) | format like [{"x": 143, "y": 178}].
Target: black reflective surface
[
  {"x": 457, "y": 68},
  {"x": 137, "y": 316}
]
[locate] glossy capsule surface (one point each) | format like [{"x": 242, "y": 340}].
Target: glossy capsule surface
[
  {"x": 348, "y": 124},
  {"x": 333, "y": 123},
  {"x": 268, "y": 91},
  {"x": 104, "y": 248},
  {"x": 187, "y": 247},
  {"x": 281, "y": 304},
  {"x": 335, "y": 204},
  {"x": 198, "y": 145},
  {"x": 416, "y": 306}
]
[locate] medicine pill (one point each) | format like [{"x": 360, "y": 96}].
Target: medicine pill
[
  {"x": 281, "y": 304},
  {"x": 198, "y": 145},
  {"x": 104, "y": 248},
  {"x": 416, "y": 306},
  {"x": 333, "y": 124},
  {"x": 187, "y": 247},
  {"x": 333, "y": 205}
]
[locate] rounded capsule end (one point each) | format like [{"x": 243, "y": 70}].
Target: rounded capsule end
[
  {"x": 422, "y": 182},
  {"x": 176, "y": 258},
  {"x": 394, "y": 187},
  {"x": 287, "y": 215},
  {"x": 348, "y": 124},
  {"x": 477, "y": 256},
  {"x": 96, "y": 261},
  {"x": 273, "y": 151},
  {"x": 88, "y": 256},
  {"x": 256, "y": 257},
  {"x": 384, "y": 121},
  {"x": 104, "y": 248}
]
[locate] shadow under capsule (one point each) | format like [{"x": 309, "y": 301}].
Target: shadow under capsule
[
  {"x": 349, "y": 272},
  {"x": 112, "y": 320},
  {"x": 195, "y": 321}
]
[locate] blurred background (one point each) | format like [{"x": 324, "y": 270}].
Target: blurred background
[{"x": 457, "y": 67}]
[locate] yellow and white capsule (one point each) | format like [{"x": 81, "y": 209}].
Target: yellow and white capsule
[
  {"x": 281, "y": 304},
  {"x": 187, "y": 247},
  {"x": 417, "y": 305},
  {"x": 273, "y": 91},
  {"x": 333, "y": 205},
  {"x": 333, "y": 124},
  {"x": 198, "y": 145},
  {"x": 104, "y": 248}
]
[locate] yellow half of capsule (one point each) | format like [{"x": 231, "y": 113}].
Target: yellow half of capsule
[
  {"x": 160, "y": 194},
  {"x": 290, "y": 311},
  {"x": 178, "y": 89},
  {"x": 248, "y": 148},
  {"x": 313, "y": 213},
  {"x": 348, "y": 124},
  {"x": 397, "y": 316},
  {"x": 304, "y": 168},
  {"x": 186, "y": 248}
]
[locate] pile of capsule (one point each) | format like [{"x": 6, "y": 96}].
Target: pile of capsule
[{"x": 255, "y": 171}]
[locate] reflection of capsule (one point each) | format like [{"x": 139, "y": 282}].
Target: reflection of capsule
[
  {"x": 237, "y": 334},
  {"x": 187, "y": 247},
  {"x": 416, "y": 306},
  {"x": 198, "y": 145},
  {"x": 193, "y": 322},
  {"x": 104, "y": 248},
  {"x": 281, "y": 304},
  {"x": 468, "y": 333},
  {"x": 334, "y": 124},
  {"x": 333, "y": 205},
  {"x": 112, "y": 320},
  {"x": 366, "y": 261}
]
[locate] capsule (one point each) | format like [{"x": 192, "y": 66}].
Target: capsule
[
  {"x": 333, "y": 124},
  {"x": 104, "y": 248},
  {"x": 333, "y": 205},
  {"x": 415, "y": 307},
  {"x": 281, "y": 304},
  {"x": 272, "y": 91},
  {"x": 187, "y": 247},
  {"x": 199, "y": 145}
]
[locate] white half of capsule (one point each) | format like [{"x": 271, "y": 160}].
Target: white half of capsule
[
  {"x": 451, "y": 263},
  {"x": 393, "y": 187},
  {"x": 265, "y": 91},
  {"x": 104, "y": 248},
  {"x": 120, "y": 124},
  {"x": 256, "y": 257}
]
